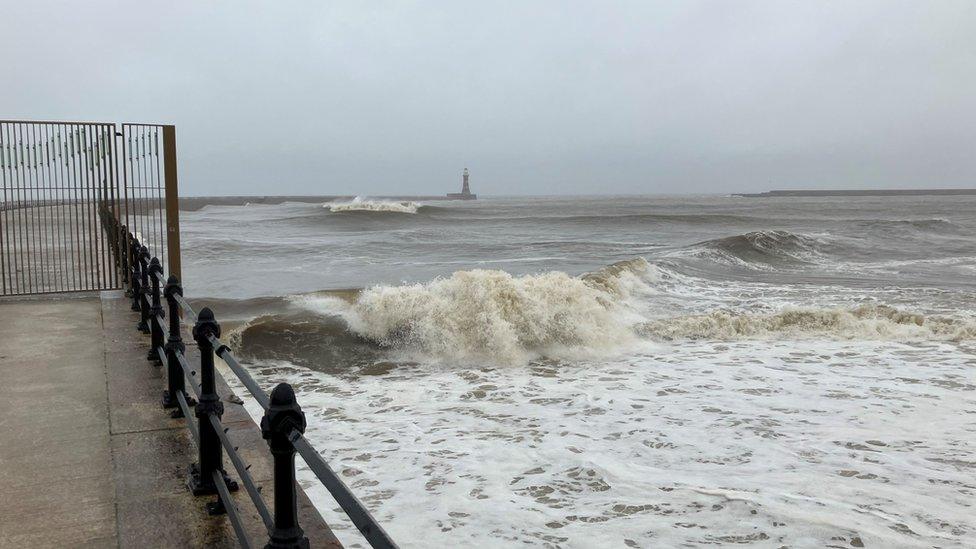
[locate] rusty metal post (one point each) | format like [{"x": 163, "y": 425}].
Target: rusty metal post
[{"x": 172, "y": 202}]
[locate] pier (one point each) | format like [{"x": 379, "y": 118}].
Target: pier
[{"x": 118, "y": 428}]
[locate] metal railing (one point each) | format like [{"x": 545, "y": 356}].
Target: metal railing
[{"x": 283, "y": 424}]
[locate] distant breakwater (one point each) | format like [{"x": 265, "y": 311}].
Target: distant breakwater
[{"x": 861, "y": 192}]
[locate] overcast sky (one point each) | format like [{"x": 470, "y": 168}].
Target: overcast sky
[{"x": 533, "y": 97}]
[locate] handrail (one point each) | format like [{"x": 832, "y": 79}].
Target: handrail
[
  {"x": 188, "y": 373},
  {"x": 283, "y": 424},
  {"x": 231, "y": 509},
  {"x": 185, "y": 407},
  {"x": 242, "y": 471},
  {"x": 354, "y": 509},
  {"x": 256, "y": 391}
]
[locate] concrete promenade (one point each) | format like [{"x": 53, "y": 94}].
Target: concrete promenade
[{"x": 88, "y": 458}]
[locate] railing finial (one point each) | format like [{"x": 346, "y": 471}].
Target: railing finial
[{"x": 283, "y": 416}]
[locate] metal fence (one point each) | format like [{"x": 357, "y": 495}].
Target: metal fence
[
  {"x": 283, "y": 424},
  {"x": 148, "y": 167},
  {"x": 58, "y": 178}
]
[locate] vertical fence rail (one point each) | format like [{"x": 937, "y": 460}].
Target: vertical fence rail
[
  {"x": 59, "y": 182},
  {"x": 55, "y": 178},
  {"x": 144, "y": 169}
]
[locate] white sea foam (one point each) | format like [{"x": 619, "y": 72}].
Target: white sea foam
[
  {"x": 804, "y": 444},
  {"x": 769, "y": 412},
  {"x": 491, "y": 316},
  {"x": 360, "y": 204},
  {"x": 866, "y": 322},
  {"x": 495, "y": 317}
]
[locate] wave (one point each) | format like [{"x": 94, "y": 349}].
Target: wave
[
  {"x": 763, "y": 249},
  {"x": 937, "y": 224},
  {"x": 303, "y": 338},
  {"x": 689, "y": 219},
  {"x": 867, "y": 322},
  {"x": 360, "y": 204},
  {"x": 491, "y": 316}
]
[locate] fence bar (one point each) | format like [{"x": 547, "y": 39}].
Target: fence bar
[
  {"x": 360, "y": 517},
  {"x": 181, "y": 358},
  {"x": 185, "y": 408},
  {"x": 225, "y": 354},
  {"x": 226, "y": 504},
  {"x": 242, "y": 471},
  {"x": 186, "y": 308},
  {"x": 5, "y": 249}
]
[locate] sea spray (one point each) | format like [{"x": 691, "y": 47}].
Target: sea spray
[
  {"x": 360, "y": 204},
  {"x": 494, "y": 315}
]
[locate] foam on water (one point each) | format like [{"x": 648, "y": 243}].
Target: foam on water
[
  {"x": 776, "y": 373},
  {"x": 805, "y": 444},
  {"x": 360, "y": 204},
  {"x": 490, "y": 315},
  {"x": 863, "y": 323}
]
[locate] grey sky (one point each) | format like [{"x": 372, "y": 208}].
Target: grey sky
[{"x": 534, "y": 97}]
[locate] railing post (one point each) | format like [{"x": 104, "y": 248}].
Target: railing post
[
  {"x": 284, "y": 415},
  {"x": 155, "y": 327},
  {"x": 172, "y": 201},
  {"x": 136, "y": 277},
  {"x": 143, "y": 290},
  {"x": 175, "y": 381},
  {"x": 201, "y": 480}
]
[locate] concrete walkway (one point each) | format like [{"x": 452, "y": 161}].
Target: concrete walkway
[{"x": 88, "y": 458}]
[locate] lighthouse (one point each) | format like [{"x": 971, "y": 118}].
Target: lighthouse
[{"x": 465, "y": 193}]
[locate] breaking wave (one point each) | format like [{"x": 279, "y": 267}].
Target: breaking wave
[
  {"x": 493, "y": 316},
  {"x": 360, "y": 204},
  {"x": 486, "y": 314}
]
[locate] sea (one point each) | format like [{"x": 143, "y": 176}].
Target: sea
[{"x": 617, "y": 371}]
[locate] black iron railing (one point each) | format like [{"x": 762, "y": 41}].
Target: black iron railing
[{"x": 283, "y": 423}]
